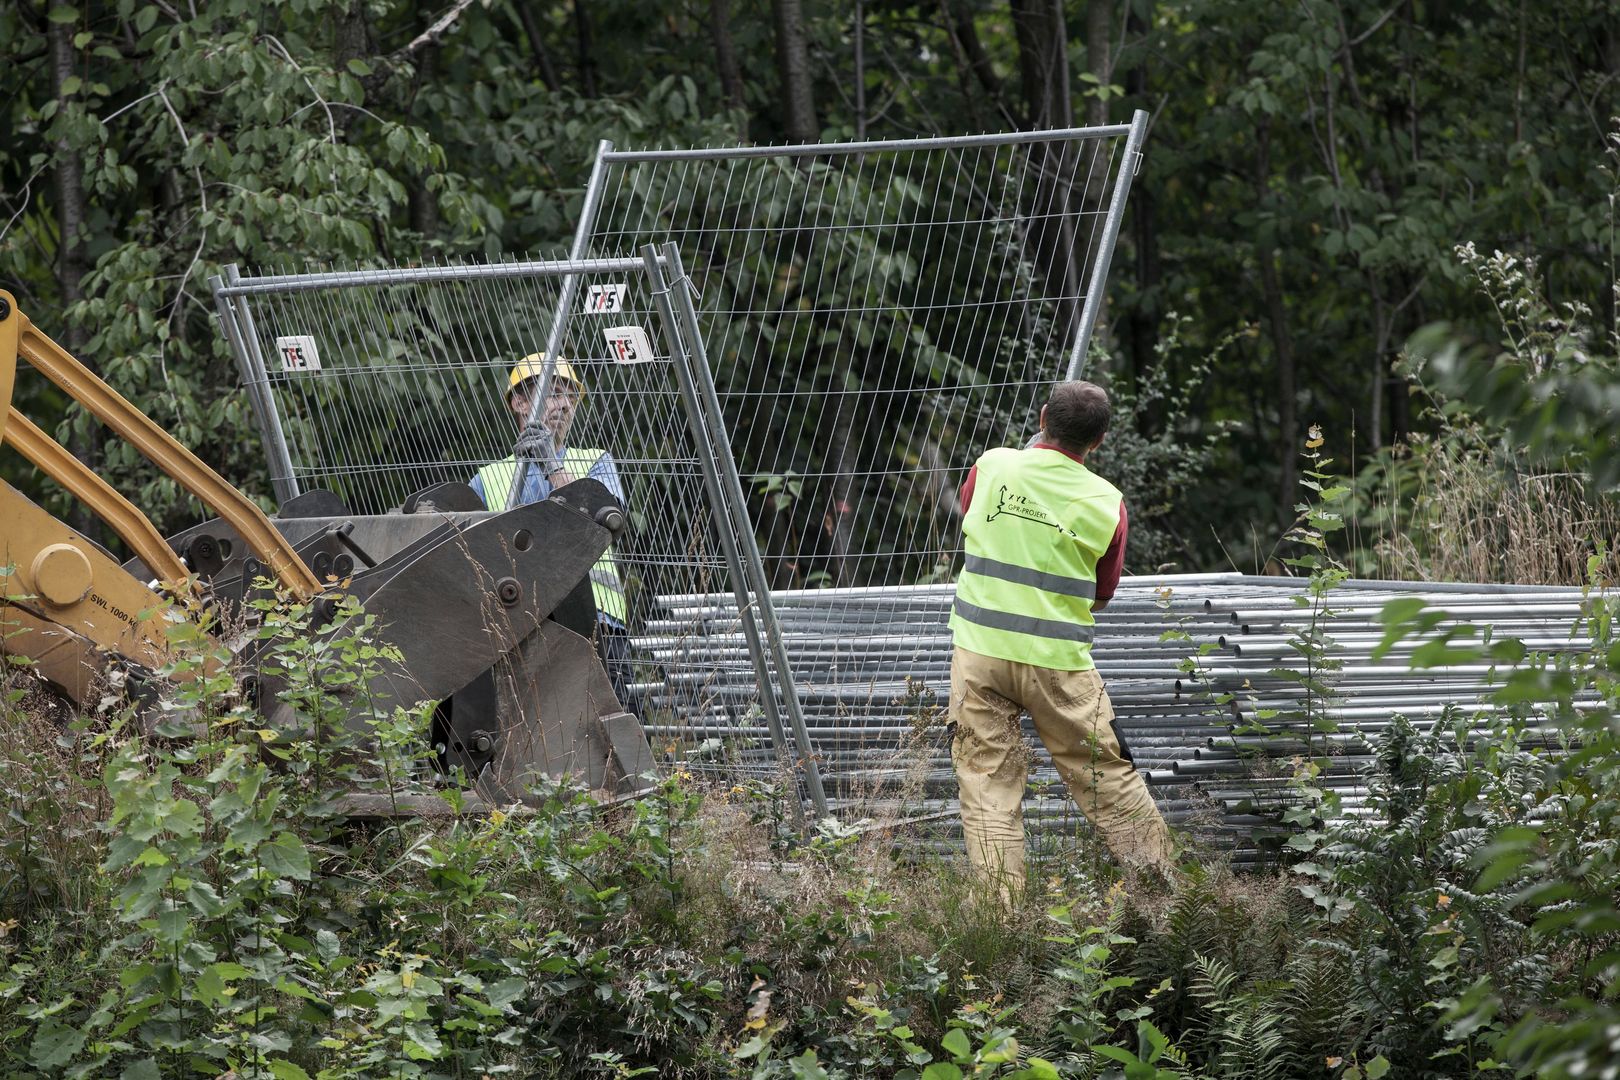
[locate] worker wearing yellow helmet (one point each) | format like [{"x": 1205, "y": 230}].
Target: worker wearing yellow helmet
[{"x": 554, "y": 463}]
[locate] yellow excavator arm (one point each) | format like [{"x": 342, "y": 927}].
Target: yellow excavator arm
[
  {"x": 490, "y": 613},
  {"x": 70, "y": 604},
  {"x": 20, "y": 337}
]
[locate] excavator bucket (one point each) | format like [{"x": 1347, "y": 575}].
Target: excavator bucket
[{"x": 490, "y": 612}]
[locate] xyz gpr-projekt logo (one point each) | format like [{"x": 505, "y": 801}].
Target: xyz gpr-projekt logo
[{"x": 1022, "y": 506}]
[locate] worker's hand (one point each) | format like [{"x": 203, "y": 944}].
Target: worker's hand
[{"x": 536, "y": 444}]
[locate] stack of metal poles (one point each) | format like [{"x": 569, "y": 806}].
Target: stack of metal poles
[{"x": 1206, "y": 673}]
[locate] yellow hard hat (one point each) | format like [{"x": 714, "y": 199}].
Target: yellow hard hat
[{"x": 531, "y": 366}]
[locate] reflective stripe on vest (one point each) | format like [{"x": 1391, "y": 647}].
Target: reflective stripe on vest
[
  {"x": 606, "y": 588},
  {"x": 1038, "y": 524}
]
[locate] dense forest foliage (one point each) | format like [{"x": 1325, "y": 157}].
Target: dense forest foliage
[
  {"x": 1310, "y": 170},
  {"x": 1382, "y": 231}
]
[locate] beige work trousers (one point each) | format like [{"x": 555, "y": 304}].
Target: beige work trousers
[{"x": 1073, "y": 717}]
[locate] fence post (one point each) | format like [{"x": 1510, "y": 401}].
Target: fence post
[
  {"x": 723, "y": 524},
  {"x": 565, "y": 301},
  {"x": 1098, "y": 288},
  {"x": 721, "y": 441},
  {"x": 244, "y": 340}
]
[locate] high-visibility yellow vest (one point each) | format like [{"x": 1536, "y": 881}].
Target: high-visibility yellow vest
[
  {"x": 608, "y": 591},
  {"x": 1034, "y": 532}
]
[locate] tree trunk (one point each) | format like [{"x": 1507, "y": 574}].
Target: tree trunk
[
  {"x": 351, "y": 41},
  {"x": 1044, "y": 77},
  {"x": 1144, "y": 329},
  {"x": 837, "y": 520},
  {"x": 725, "y": 54},
  {"x": 422, "y": 204},
  {"x": 71, "y": 207},
  {"x": 72, "y": 261},
  {"x": 587, "y": 63},
  {"x": 860, "y": 70},
  {"x": 1282, "y": 340},
  {"x": 793, "y": 62},
  {"x": 1043, "y": 61},
  {"x": 1287, "y": 385},
  {"x": 543, "y": 66},
  {"x": 1383, "y": 334},
  {"x": 1099, "y": 57},
  {"x": 965, "y": 35}
]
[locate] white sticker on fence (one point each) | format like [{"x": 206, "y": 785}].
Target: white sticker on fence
[
  {"x": 605, "y": 299},
  {"x": 298, "y": 353},
  {"x": 628, "y": 344}
]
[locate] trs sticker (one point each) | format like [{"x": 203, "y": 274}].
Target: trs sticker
[
  {"x": 628, "y": 344},
  {"x": 298, "y": 353},
  {"x": 605, "y": 299}
]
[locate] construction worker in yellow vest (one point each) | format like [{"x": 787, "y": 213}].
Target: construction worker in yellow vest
[
  {"x": 555, "y": 464},
  {"x": 1044, "y": 539}
]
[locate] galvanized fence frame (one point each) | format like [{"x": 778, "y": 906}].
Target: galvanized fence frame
[
  {"x": 1067, "y": 186},
  {"x": 241, "y": 302},
  {"x": 1207, "y": 772},
  {"x": 1080, "y": 179}
]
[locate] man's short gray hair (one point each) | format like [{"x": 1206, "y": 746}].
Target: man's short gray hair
[{"x": 1077, "y": 415}]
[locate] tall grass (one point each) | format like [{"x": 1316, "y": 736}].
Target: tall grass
[{"x": 1455, "y": 507}]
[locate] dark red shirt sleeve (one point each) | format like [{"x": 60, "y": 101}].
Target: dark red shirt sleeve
[
  {"x": 967, "y": 489},
  {"x": 1113, "y": 561}
]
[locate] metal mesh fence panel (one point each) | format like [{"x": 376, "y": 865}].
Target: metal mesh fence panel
[
  {"x": 875, "y": 319},
  {"x": 398, "y": 362},
  {"x": 377, "y": 384},
  {"x": 875, "y": 316}
]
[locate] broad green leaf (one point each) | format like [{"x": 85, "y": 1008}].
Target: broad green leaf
[
  {"x": 505, "y": 992},
  {"x": 144, "y": 1069},
  {"x": 806, "y": 1067},
  {"x": 285, "y": 857},
  {"x": 54, "y": 1045},
  {"x": 956, "y": 1043}
]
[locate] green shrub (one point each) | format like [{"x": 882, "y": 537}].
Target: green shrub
[{"x": 227, "y": 916}]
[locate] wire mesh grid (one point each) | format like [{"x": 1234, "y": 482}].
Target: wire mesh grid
[
  {"x": 399, "y": 380},
  {"x": 870, "y": 661},
  {"x": 875, "y": 316},
  {"x": 873, "y": 322}
]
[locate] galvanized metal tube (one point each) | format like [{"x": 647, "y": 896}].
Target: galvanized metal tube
[
  {"x": 565, "y": 303},
  {"x": 711, "y": 482},
  {"x": 1105, "y": 248},
  {"x": 753, "y": 564},
  {"x": 732, "y": 486},
  {"x": 256, "y": 384},
  {"x": 282, "y": 478},
  {"x": 947, "y": 142},
  {"x": 418, "y": 275},
  {"x": 875, "y": 667}
]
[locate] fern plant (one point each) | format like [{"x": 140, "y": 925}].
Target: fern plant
[
  {"x": 1415, "y": 934},
  {"x": 1241, "y": 1029}
]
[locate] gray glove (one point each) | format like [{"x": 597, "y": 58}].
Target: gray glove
[{"x": 536, "y": 444}]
